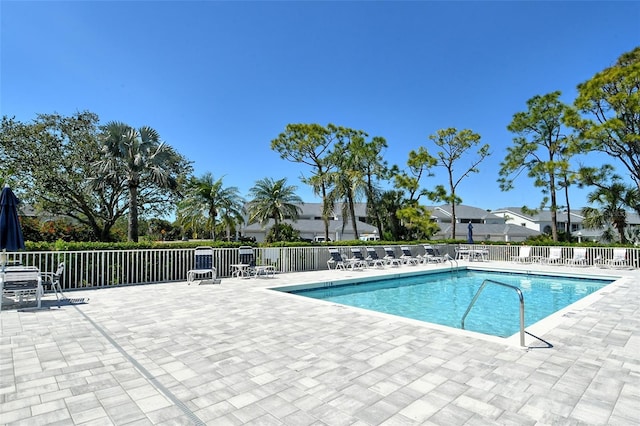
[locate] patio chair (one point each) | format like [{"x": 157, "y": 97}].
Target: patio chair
[
  {"x": 51, "y": 281},
  {"x": 481, "y": 254},
  {"x": 462, "y": 253},
  {"x": 579, "y": 257},
  {"x": 248, "y": 267},
  {"x": 373, "y": 259},
  {"x": 390, "y": 257},
  {"x": 524, "y": 255},
  {"x": 340, "y": 262},
  {"x": 357, "y": 256},
  {"x": 407, "y": 256},
  {"x": 555, "y": 257},
  {"x": 203, "y": 266},
  {"x": 21, "y": 282},
  {"x": 619, "y": 259},
  {"x": 432, "y": 255}
]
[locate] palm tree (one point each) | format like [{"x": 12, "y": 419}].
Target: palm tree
[
  {"x": 140, "y": 158},
  {"x": 345, "y": 189},
  {"x": 206, "y": 199},
  {"x": 322, "y": 186},
  {"x": 612, "y": 200},
  {"x": 391, "y": 202},
  {"x": 375, "y": 168},
  {"x": 273, "y": 200},
  {"x": 349, "y": 182}
]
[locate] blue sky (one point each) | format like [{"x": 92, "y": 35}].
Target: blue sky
[{"x": 220, "y": 80}]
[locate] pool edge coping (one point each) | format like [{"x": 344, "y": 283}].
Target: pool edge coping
[{"x": 534, "y": 331}]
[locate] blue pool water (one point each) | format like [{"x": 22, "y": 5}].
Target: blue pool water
[{"x": 442, "y": 298}]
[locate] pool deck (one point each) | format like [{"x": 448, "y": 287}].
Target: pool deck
[{"x": 237, "y": 353}]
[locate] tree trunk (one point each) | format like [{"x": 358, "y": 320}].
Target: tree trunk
[
  {"x": 566, "y": 196},
  {"x": 554, "y": 208},
  {"x": 213, "y": 214},
  {"x": 276, "y": 226},
  {"x": 453, "y": 204},
  {"x": 453, "y": 221},
  {"x": 104, "y": 234},
  {"x": 325, "y": 218},
  {"x": 352, "y": 212},
  {"x": 372, "y": 205},
  {"x": 133, "y": 213}
]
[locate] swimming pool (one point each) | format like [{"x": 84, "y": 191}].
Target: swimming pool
[{"x": 443, "y": 297}]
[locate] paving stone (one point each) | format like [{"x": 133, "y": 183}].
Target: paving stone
[
  {"x": 16, "y": 414},
  {"x": 47, "y": 407},
  {"x": 450, "y": 415},
  {"x": 424, "y": 408},
  {"x": 238, "y": 353},
  {"x": 60, "y": 416},
  {"x": 17, "y": 404},
  {"x": 125, "y": 412},
  {"x": 91, "y": 415},
  {"x": 152, "y": 403}
]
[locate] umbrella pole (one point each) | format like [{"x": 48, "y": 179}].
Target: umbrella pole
[{"x": 3, "y": 264}]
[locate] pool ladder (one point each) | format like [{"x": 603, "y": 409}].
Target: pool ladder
[
  {"x": 520, "y": 296},
  {"x": 450, "y": 259}
]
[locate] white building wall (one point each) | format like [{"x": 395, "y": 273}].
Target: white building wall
[{"x": 512, "y": 219}]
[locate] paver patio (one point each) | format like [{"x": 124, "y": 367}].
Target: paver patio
[{"x": 237, "y": 353}]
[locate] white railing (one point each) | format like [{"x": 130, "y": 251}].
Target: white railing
[{"x": 106, "y": 268}]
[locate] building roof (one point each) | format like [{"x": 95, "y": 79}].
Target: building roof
[
  {"x": 315, "y": 209},
  {"x": 315, "y": 226},
  {"x": 542, "y": 215},
  {"x": 463, "y": 212},
  {"x": 482, "y": 230}
]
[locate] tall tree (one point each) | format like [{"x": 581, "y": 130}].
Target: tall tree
[
  {"x": 612, "y": 199},
  {"x": 374, "y": 169},
  {"x": 310, "y": 144},
  {"x": 419, "y": 166},
  {"x": 414, "y": 218},
  {"x": 611, "y": 102},
  {"x": 454, "y": 145},
  {"x": 348, "y": 180},
  {"x": 54, "y": 156},
  {"x": 273, "y": 200},
  {"x": 613, "y": 196},
  {"x": 540, "y": 147},
  {"x": 391, "y": 202},
  {"x": 566, "y": 180},
  {"x": 206, "y": 199},
  {"x": 140, "y": 159}
]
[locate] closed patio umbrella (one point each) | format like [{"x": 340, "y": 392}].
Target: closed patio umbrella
[
  {"x": 11, "y": 238},
  {"x": 10, "y": 231},
  {"x": 470, "y": 234}
]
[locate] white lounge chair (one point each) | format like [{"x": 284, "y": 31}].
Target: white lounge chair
[
  {"x": 555, "y": 256},
  {"x": 373, "y": 259},
  {"x": 390, "y": 257},
  {"x": 407, "y": 256},
  {"x": 524, "y": 255},
  {"x": 203, "y": 266},
  {"x": 579, "y": 257},
  {"x": 432, "y": 255},
  {"x": 342, "y": 263},
  {"x": 619, "y": 259},
  {"x": 357, "y": 256}
]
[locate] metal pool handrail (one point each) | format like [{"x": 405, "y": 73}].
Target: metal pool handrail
[
  {"x": 450, "y": 259},
  {"x": 520, "y": 296}
]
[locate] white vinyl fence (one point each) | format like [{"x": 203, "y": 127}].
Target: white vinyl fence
[{"x": 106, "y": 268}]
